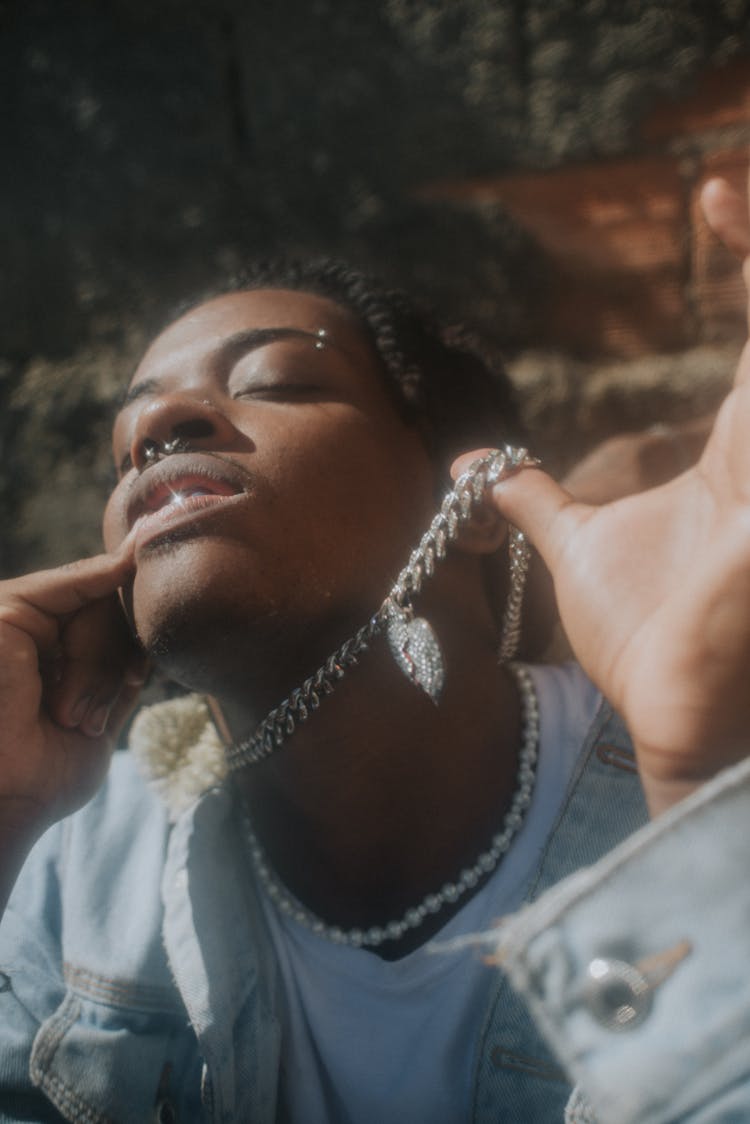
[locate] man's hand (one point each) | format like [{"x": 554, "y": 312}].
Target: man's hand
[
  {"x": 631, "y": 462},
  {"x": 654, "y": 589},
  {"x": 69, "y": 674}
]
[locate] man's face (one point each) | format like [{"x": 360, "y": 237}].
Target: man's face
[{"x": 300, "y": 493}]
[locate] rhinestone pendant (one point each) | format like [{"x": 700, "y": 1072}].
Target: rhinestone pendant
[{"x": 416, "y": 650}]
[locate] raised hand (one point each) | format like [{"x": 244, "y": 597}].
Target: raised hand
[
  {"x": 654, "y": 589},
  {"x": 69, "y": 673}
]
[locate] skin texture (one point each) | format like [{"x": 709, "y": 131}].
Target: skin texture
[
  {"x": 671, "y": 649},
  {"x": 333, "y": 484},
  {"x": 632, "y": 462},
  {"x": 324, "y": 489},
  {"x": 245, "y": 595},
  {"x": 69, "y": 674}
]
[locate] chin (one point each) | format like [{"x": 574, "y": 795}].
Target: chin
[
  {"x": 215, "y": 645},
  {"x": 212, "y": 623}
]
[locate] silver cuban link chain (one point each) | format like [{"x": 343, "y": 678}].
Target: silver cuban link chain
[{"x": 412, "y": 640}]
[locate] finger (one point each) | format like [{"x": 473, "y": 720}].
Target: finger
[
  {"x": 538, "y": 506},
  {"x": 532, "y": 501},
  {"x": 101, "y": 736},
  {"x": 466, "y": 460},
  {"x": 68, "y": 588},
  {"x": 89, "y": 707},
  {"x": 484, "y": 531},
  {"x": 529, "y": 499},
  {"x": 35, "y": 602},
  {"x": 726, "y": 212},
  {"x": 108, "y": 712},
  {"x": 742, "y": 374},
  {"x": 86, "y": 695},
  {"x": 122, "y": 709},
  {"x": 97, "y": 656},
  {"x": 540, "y": 619}
]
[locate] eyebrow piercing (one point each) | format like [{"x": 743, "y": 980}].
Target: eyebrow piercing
[{"x": 322, "y": 340}]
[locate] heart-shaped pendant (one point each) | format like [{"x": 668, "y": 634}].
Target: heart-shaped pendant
[{"x": 416, "y": 650}]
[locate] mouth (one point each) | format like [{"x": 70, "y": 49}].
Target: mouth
[{"x": 171, "y": 496}]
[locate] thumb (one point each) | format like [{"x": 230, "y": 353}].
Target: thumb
[
  {"x": 542, "y": 509},
  {"x": 536, "y": 504},
  {"x": 725, "y": 211}
]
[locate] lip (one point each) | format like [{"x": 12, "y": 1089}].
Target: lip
[{"x": 176, "y": 493}]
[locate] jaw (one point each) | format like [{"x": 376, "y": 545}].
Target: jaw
[{"x": 223, "y": 619}]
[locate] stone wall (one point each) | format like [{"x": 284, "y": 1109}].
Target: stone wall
[{"x": 478, "y": 151}]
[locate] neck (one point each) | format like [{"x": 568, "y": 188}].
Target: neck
[{"x": 383, "y": 797}]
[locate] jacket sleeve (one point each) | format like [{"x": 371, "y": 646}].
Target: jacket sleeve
[
  {"x": 636, "y": 969},
  {"x": 31, "y": 976}
]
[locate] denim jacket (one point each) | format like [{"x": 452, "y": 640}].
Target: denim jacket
[
  {"x": 636, "y": 969},
  {"x": 137, "y": 980}
]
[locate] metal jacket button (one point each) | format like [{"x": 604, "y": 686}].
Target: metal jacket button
[{"x": 616, "y": 994}]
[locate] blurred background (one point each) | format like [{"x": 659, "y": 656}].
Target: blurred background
[{"x": 530, "y": 167}]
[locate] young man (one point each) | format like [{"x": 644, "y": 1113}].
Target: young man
[{"x": 255, "y": 947}]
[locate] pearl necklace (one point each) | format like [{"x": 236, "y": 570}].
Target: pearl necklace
[{"x": 451, "y": 891}]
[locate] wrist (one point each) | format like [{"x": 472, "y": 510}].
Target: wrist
[
  {"x": 666, "y": 786},
  {"x": 22, "y": 821},
  {"x": 663, "y": 794},
  {"x": 21, "y": 825}
]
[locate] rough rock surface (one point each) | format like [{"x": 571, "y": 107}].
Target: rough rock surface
[{"x": 151, "y": 147}]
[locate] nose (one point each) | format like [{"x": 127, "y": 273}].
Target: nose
[{"x": 183, "y": 422}]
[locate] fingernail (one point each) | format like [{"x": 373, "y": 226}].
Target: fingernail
[
  {"x": 78, "y": 713},
  {"x": 96, "y": 722}
]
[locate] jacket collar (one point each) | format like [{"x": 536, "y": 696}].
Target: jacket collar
[{"x": 178, "y": 750}]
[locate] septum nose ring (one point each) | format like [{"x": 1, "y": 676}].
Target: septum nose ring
[{"x": 153, "y": 450}]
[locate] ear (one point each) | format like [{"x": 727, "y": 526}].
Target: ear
[{"x": 485, "y": 532}]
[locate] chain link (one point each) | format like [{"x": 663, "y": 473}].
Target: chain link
[{"x": 455, "y": 511}]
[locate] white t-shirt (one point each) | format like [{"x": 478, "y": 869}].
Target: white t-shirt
[{"x": 367, "y": 1040}]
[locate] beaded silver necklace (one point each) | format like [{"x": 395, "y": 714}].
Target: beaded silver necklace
[
  {"x": 451, "y": 892},
  {"x": 416, "y": 650},
  {"x": 412, "y": 640}
]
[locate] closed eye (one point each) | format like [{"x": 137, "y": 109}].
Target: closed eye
[{"x": 281, "y": 391}]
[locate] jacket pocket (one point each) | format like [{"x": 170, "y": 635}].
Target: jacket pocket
[{"x": 103, "y": 1064}]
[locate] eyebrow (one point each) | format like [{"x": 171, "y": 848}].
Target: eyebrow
[{"x": 226, "y": 355}]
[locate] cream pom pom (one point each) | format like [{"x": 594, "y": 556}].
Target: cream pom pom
[{"x": 179, "y": 751}]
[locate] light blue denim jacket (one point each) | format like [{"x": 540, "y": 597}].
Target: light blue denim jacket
[{"x": 138, "y": 982}]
